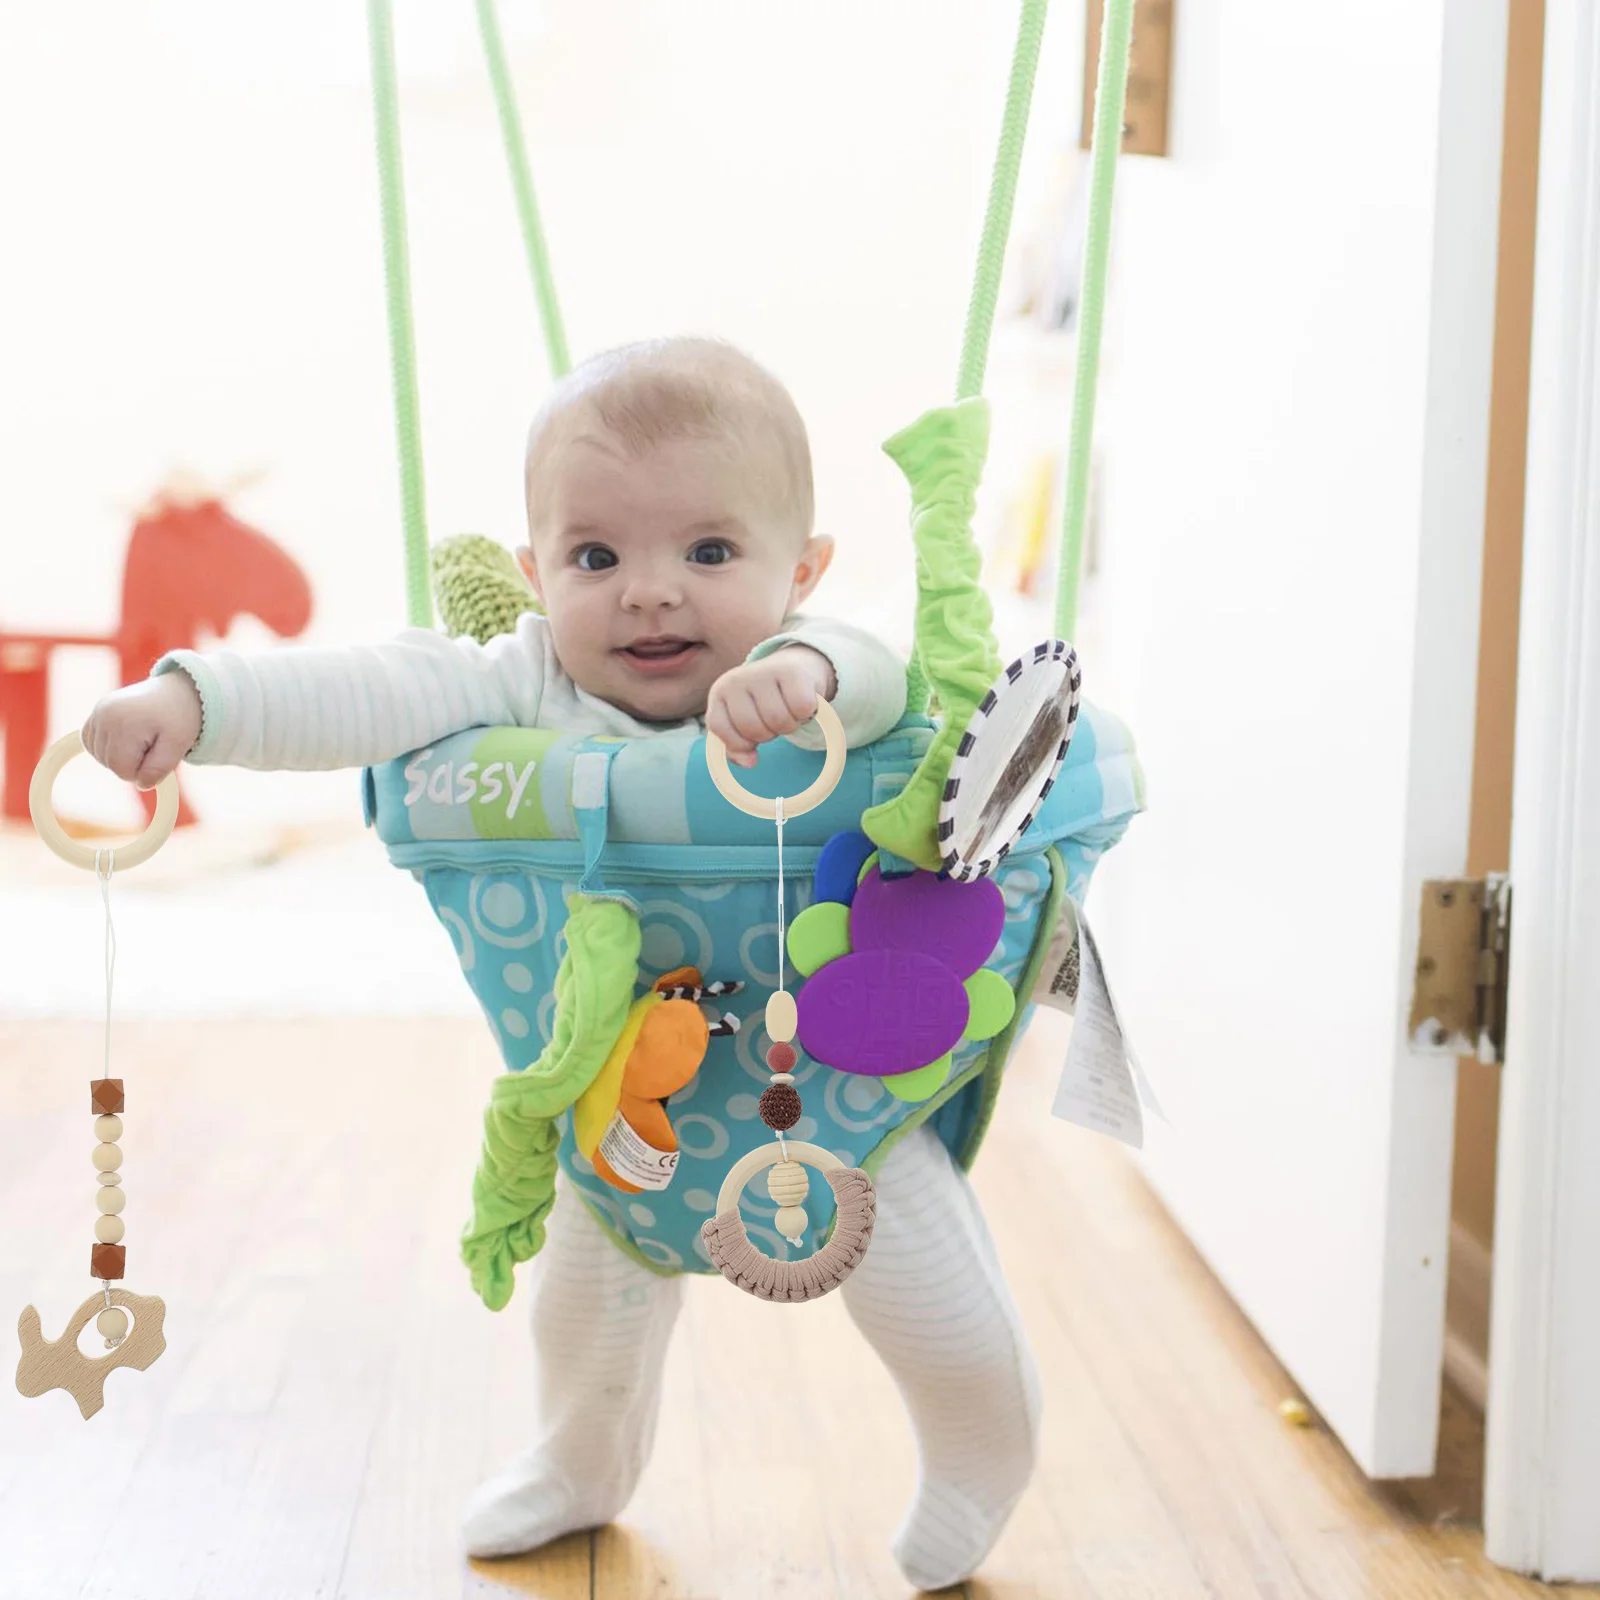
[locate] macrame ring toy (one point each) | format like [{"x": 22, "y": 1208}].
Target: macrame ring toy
[
  {"x": 808, "y": 799},
  {"x": 744, "y": 1266},
  {"x": 78, "y": 855}
]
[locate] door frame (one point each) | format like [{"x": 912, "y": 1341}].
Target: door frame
[{"x": 1542, "y": 1473}]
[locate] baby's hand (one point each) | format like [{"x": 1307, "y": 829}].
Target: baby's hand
[
  {"x": 768, "y": 698},
  {"x": 143, "y": 731}
]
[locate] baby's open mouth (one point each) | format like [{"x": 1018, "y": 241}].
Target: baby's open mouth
[{"x": 660, "y": 653}]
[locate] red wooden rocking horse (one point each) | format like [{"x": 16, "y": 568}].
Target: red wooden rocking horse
[{"x": 191, "y": 565}]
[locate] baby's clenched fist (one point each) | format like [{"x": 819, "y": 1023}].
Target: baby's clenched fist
[
  {"x": 143, "y": 731},
  {"x": 767, "y": 699}
]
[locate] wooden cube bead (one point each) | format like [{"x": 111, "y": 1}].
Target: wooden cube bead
[
  {"x": 105, "y": 1095},
  {"x": 108, "y": 1260}
]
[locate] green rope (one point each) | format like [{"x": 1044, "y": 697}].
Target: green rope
[
  {"x": 1109, "y": 98},
  {"x": 397, "y": 289},
  {"x": 505, "y": 99},
  {"x": 1002, "y": 195}
]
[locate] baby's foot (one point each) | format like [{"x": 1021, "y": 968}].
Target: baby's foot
[
  {"x": 946, "y": 1534},
  {"x": 529, "y": 1502}
]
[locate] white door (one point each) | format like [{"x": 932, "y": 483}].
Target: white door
[{"x": 1294, "y": 432}]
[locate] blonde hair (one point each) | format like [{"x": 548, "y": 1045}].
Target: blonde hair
[{"x": 680, "y": 388}]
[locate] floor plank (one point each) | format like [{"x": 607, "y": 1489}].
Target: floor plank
[{"x": 331, "y": 1389}]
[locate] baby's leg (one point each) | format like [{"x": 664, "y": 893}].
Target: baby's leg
[
  {"x": 932, "y": 1301},
  {"x": 601, "y": 1323}
]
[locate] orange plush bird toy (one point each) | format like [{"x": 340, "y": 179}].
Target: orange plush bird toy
[{"x": 620, "y": 1121}]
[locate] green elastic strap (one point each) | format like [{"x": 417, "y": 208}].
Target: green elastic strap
[
  {"x": 942, "y": 456},
  {"x": 1110, "y": 96},
  {"x": 505, "y": 99},
  {"x": 515, "y": 1184},
  {"x": 479, "y": 587},
  {"x": 397, "y": 297}
]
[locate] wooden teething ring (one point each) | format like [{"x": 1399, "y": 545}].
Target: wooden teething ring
[
  {"x": 744, "y": 1266},
  {"x": 125, "y": 855},
  {"x": 755, "y": 805}
]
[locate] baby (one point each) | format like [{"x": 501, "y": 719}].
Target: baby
[{"x": 670, "y": 540}]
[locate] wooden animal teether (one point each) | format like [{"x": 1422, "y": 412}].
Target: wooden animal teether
[
  {"x": 59, "y": 1363},
  {"x": 726, "y": 1241}
]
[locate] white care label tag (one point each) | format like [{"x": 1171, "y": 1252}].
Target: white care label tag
[
  {"x": 631, "y": 1158},
  {"x": 1102, "y": 1082}
]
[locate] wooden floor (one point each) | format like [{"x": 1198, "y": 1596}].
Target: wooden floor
[{"x": 331, "y": 1389}]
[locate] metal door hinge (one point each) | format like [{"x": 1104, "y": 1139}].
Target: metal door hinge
[{"x": 1458, "y": 1004}]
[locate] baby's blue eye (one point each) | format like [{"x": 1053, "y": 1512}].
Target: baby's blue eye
[
  {"x": 711, "y": 553},
  {"x": 595, "y": 558}
]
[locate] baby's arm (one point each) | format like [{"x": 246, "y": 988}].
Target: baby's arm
[
  {"x": 310, "y": 709},
  {"x": 776, "y": 691}
]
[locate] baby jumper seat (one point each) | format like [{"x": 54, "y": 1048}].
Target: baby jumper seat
[{"x": 639, "y": 820}]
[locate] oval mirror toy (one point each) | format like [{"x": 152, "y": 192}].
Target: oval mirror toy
[{"x": 1008, "y": 759}]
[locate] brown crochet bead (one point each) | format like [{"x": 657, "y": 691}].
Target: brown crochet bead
[
  {"x": 105, "y": 1096},
  {"x": 780, "y": 1106},
  {"x": 781, "y": 1057},
  {"x": 108, "y": 1261}
]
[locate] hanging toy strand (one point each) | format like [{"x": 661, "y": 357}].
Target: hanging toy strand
[
  {"x": 48, "y": 1364},
  {"x": 724, "y": 1236}
]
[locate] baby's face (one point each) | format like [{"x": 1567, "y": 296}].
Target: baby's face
[{"x": 661, "y": 571}]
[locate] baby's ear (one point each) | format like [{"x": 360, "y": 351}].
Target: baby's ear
[
  {"x": 529, "y": 570},
  {"x": 814, "y": 560}
]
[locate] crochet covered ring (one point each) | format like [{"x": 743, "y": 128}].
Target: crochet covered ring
[{"x": 745, "y": 1267}]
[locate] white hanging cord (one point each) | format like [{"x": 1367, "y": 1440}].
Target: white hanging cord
[
  {"x": 783, "y": 943},
  {"x": 111, "y": 939},
  {"x": 782, "y": 935}
]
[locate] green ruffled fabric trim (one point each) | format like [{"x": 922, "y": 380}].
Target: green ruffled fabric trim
[
  {"x": 942, "y": 455},
  {"x": 514, "y": 1187},
  {"x": 478, "y": 587}
]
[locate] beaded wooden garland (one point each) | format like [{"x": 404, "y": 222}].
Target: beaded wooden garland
[
  {"x": 726, "y": 1240},
  {"x": 48, "y": 1364}
]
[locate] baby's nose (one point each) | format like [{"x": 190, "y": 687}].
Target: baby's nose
[{"x": 650, "y": 585}]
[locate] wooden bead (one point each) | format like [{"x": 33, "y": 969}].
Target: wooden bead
[
  {"x": 780, "y": 1058},
  {"x": 782, "y": 1017},
  {"x": 111, "y": 1201},
  {"x": 112, "y": 1322},
  {"x": 106, "y": 1179},
  {"x": 783, "y": 1077},
  {"x": 107, "y": 1260},
  {"x": 108, "y": 1128},
  {"x": 779, "y": 1106},
  {"x": 105, "y": 1094},
  {"x": 109, "y": 1230},
  {"x": 108, "y": 1157},
  {"x": 787, "y": 1183},
  {"x": 792, "y": 1222}
]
